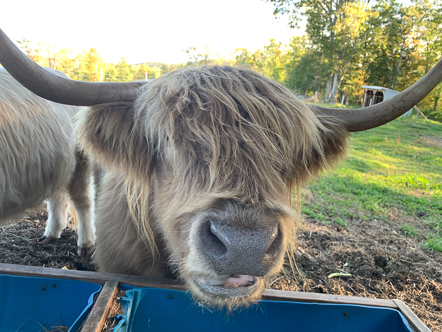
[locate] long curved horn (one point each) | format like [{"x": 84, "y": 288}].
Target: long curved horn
[
  {"x": 49, "y": 85},
  {"x": 388, "y": 110}
]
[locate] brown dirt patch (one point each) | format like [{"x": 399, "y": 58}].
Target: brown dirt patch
[
  {"x": 384, "y": 263},
  {"x": 433, "y": 140}
]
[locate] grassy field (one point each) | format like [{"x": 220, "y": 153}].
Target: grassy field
[
  {"x": 337, "y": 105},
  {"x": 392, "y": 174}
]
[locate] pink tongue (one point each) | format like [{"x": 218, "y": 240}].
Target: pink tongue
[{"x": 238, "y": 281}]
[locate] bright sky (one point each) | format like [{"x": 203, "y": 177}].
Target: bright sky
[{"x": 145, "y": 30}]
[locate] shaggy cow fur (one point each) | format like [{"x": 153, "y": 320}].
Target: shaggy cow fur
[
  {"x": 40, "y": 160},
  {"x": 199, "y": 148}
]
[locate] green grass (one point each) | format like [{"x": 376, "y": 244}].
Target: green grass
[
  {"x": 433, "y": 243},
  {"x": 395, "y": 169},
  {"x": 339, "y": 221},
  {"x": 337, "y": 105},
  {"x": 409, "y": 230}
]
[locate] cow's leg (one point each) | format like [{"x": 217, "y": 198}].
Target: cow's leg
[
  {"x": 81, "y": 190},
  {"x": 58, "y": 216}
]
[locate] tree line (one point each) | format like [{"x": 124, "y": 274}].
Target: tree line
[
  {"x": 346, "y": 44},
  {"x": 90, "y": 66}
]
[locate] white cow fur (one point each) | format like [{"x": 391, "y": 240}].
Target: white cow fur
[{"x": 39, "y": 159}]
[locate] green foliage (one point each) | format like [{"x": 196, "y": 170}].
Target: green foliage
[
  {"x": 272, "y": 61},
  {"x": 204, "y": 57},
  {"x": 339, "y": 221},
  {"x": 433, "y": 243},
  {"x": 201, "y": 57},
  {"x": 89, "y": 66},
  {"x": 387, "y": 44}
]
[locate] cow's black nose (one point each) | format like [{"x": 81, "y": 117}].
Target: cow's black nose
[{"x": 239, "y": 250}]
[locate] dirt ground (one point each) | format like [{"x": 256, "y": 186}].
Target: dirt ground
[
  {"x": 383, "y": 262},
  {"x": 19, "y": 244}
]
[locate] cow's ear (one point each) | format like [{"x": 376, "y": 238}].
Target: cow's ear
[
  {"x": 111, "y": 134},
  {"x": 333, "y": 146},
  {"x": 334, "y": 136}
]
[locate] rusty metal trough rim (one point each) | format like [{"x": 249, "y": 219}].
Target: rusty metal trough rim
[{"x": 111, "y": 282}]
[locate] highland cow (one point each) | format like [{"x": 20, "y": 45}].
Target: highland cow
[
  {"x": 201, "y": 166},
  {"x": 40, "y": 160}
]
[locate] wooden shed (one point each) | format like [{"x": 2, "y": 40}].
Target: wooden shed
[{"x": 376, "y": 94}]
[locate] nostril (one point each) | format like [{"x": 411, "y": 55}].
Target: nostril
[
  {"x": 211, "y": 243},
  {"x": 274, "y": 244}
]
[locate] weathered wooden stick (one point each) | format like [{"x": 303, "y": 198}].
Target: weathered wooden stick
[{"x": 97, "y": 317}]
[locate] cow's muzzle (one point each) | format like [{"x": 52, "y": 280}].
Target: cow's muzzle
[
  {"x": 239, "y": 251},
  {"x": 236, "y": 249}
]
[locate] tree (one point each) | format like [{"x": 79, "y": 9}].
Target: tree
[
  {"x": 304, "y": 66},
  {"x": 92, "y": 63},
  {"x": 65, "y": 62},
  {"x": 124, "y": 71},
  {"x": 334, "y": 27},
  {"x": 196, "y": 56},
  {"x": 271, "y": 61}
]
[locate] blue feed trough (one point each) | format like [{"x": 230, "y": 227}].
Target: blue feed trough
[
  {"x": 43, "y": 304},
  {"x": 152, "y": 309}
]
